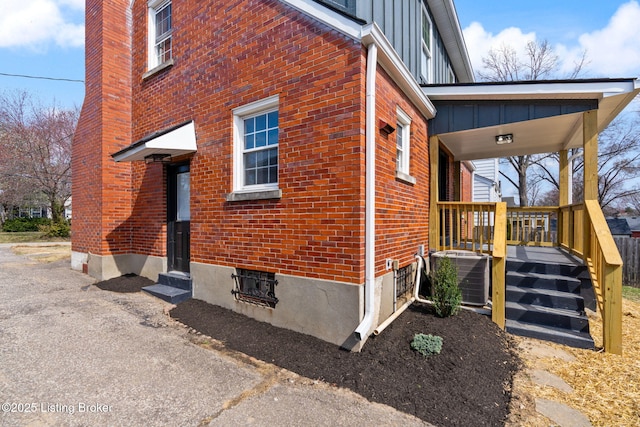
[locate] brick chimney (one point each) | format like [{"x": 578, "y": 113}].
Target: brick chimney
[{"x": 101, "y": 189}]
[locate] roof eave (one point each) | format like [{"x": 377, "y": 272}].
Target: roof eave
[{"x": 446, "y": 18}]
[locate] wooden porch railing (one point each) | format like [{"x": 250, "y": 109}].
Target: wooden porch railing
[
  {"x": 571, "y": 228},
  {"x": 480, "y": 227},
  {"x": 605, "y": 267},
  {"x": 580, "y": 229},
  {"x": 466, "y": 226},
  {"x": 532, "y": 226}
]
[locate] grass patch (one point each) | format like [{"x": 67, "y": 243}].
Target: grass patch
[
  {"x": 26, "y": 237},
  {"x": 44, "y": 254},
  {"x": 631, "y": 293}
]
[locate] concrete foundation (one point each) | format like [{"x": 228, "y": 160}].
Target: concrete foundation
[
  {"x": 110, "y": 266},
  {"x": 328, "y": 310}
]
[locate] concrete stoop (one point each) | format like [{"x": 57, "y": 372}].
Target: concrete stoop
[{"x": 172, "y": 287}]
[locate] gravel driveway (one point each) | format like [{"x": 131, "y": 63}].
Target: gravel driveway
[{"x": 72, "y": 354}]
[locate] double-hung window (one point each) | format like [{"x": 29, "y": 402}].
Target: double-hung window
[
  {"x": 427, "y": 39},
  {"x": 403, "y": 137},
  {"x": 256, "y": 146},
  {"x": 160, "y": 29}
]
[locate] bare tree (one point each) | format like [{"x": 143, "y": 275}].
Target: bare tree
[
  {"x": 632, "y": 203},
  {"x": 503, "y": 64},
  {"x": 37, "y": 145},
  {"x": 618, "y": 165}
]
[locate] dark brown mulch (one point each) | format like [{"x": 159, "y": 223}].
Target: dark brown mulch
[
  {"x": 468, "y": 383},
  {"x": 129, "y": 283}
]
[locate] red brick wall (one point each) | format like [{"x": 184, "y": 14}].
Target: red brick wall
[
  {"x": 316, "y": 228},
  {"x": 101, "y": 188},
  {"x": 465, "y": 183},
  {"x": 402, "y": 209},
  {"x": 223, "y": 61}
]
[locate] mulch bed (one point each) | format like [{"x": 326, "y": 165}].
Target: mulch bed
[
  {"x": 468, "y": 383},
  {"x": 127, "y": 284}
]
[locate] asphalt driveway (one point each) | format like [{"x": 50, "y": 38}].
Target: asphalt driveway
[{"x": 72, "y": 354}]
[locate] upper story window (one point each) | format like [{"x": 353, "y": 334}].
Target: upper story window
[
  {"x": 256, "y": 146},
  {"x": 451, "y": 77},
  {"x": 427, "y": 41},
  {"x": 403, "y": 137},
  {"x": 160, "y": 29},
  {"x": 348, "y": 6}
]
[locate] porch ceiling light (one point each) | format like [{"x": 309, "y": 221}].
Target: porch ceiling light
[
  {"x": 504, "y": 139},
  {"x": 157, "y": 158}
]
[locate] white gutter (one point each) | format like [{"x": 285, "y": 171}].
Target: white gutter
[{"x": 364, "y": 328}]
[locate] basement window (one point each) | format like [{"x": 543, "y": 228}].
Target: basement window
[
  {"x": 256, "y": 287},
  {"x": 404, "y": 278}
]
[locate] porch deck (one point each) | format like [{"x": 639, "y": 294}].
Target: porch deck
[{"x": 547, "y": 255}]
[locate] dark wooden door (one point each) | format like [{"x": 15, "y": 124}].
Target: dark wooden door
[{"x": 179, "y": 218}]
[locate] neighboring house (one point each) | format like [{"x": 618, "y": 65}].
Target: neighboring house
[
  {"x": 285, "y": 154},
  {"x": 486, "y": 181},
  {"x": 634, "y": 225},
  {"x": 619, "y": 227}
]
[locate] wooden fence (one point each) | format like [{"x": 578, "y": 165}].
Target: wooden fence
[{"x": 629, "y": 249}]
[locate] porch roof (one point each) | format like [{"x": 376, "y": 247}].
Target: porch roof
[
  {"x": 543, "y": 116},
  {"x": 171, "y": 142}
]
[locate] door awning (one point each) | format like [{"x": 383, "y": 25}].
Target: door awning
[
  {"x": 174, "y": 141},
  {"x": 538, "y": 116}
]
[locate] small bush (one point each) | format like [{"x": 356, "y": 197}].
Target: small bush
[
  {"x": 56, "y": 229},
  {"x": 21, "y": 225},
  {"x": 446, "y": 294},
  {"x": 426, "y": 344}
]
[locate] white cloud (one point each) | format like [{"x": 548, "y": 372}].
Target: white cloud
[
  {"x": 612, "y": 51},
  {"x": 36, "y": 24},
  {"x": 480, "y": 42}
]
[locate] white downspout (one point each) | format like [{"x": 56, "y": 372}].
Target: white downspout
[{"x": 363, "y": 329}]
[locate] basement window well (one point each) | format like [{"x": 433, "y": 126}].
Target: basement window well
[{"x": 256, "y": 287}]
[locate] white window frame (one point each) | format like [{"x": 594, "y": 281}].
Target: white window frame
[
  {"x": 403, "y": 147},
  {"x": 153, "y": 61},
  {"x": 253, "y": 109},
  {"x": 427, "y": 47}
]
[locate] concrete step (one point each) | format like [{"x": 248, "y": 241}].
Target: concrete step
[
  {"x": 170, "y": 294},
  {"x": 176, "y": 279},
  {"x": 543, "y": 281},
  {"x": 558, "y": 269},
  {"x": 555, "y": 317},
  {"x": 548, "y": 333},
  {"x": 545, "y": 298}
]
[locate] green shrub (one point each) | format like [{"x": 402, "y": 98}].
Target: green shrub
[
  {"x": 56, "y": 229},
  {"x": 20, "y": 225},
  {"x": 446, "y": 294},
  {"x": 426, "y": 344}
]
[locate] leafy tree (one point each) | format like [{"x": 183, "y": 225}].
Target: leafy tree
[{"x": 36, "y": 145}]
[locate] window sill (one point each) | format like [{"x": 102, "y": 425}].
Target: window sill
[
  {"x": 157, "y": 69},
  {"x": 401, "y": 176},
  {"x": 241, "y": 196}
]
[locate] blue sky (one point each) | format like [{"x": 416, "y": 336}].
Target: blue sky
[{"x": 46, "y": 38}]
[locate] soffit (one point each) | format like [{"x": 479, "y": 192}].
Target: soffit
[{"x": 533, "y": 132}]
